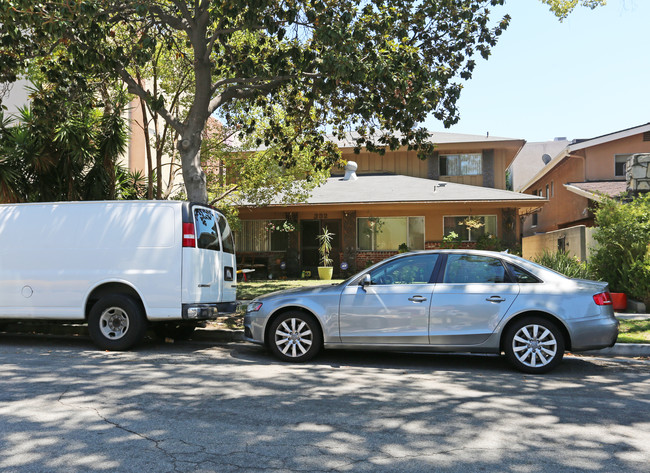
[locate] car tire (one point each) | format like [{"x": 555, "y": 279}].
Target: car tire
[
  {"x": 116, "y": 322},
  {"x": 534, "y": 345},
  {"x": 295, "y": 336},
  {"x": 177, "y": 331}
]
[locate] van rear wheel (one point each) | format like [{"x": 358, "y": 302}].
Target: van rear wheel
[{"x": 116, "y": 322}]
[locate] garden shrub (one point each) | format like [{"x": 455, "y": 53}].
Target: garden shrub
[
  {"x": 622, "y": 256},
  {"x": 564, "y": 263}
]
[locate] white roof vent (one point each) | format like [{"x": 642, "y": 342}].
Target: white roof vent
[{"x": 350, "y": 171}]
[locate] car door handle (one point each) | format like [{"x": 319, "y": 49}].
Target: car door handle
[
  {"x": 495, "y": 299},
  {"x": 417, "y": 299}
]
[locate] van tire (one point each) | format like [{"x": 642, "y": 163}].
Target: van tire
[{"x": 116, "y": 322}]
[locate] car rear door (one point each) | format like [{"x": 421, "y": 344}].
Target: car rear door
[{"x": 473, "y": 294}]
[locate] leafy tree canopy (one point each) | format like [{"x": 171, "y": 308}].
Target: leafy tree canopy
[
  {"x": 562, "y": 8},
  {"x": 333, "y": 65}
]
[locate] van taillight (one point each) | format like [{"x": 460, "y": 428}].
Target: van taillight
[
  {"x": 189, "y": 240},
  {"x": 604, "y": 298}
]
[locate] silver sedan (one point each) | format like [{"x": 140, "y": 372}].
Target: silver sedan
[{"x": 441, "y": 301}]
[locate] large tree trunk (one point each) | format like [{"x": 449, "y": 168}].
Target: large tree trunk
[{"x": 193, "y": 176}]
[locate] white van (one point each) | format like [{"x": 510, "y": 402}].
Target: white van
[{"x": 119, "y": 265}]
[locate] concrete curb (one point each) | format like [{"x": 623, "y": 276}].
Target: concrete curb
[{"x": 219, "y": 335}]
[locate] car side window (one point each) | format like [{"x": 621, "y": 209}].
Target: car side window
[
  {"x": 206, "y": 229},
  {"x": 521, "y": 275},
  {"x": 465, "y": 269},
  {"x": 416, "y": 269}
]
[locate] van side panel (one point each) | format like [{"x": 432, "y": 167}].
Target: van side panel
[{"x": 53, "y": 255}]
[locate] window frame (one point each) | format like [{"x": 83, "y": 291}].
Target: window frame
[
  {"x": 616, "y": 161},
  {"x": 267, "y": 245},
  {"x": 373, "y": 240},
  {"x": 496, "y": 224},
  {"x": 459, "y": 157}
]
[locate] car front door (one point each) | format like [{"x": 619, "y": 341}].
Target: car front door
[
  {"x": 474, "y": 294},
  {"x": 394, "y": 307}
]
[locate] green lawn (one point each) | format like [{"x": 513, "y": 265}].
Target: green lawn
[
  {"x": 630, "y": 331},
  {"x": 249, "y": 290},
  {"x": 634, "y": 331}
]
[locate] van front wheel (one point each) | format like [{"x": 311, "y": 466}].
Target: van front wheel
[{"x": 116, "y": 322}]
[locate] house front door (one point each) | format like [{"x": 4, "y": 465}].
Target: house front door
[{"x": 309, "y": 231}]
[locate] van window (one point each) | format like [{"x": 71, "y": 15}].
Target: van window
[
  {"x": 227, "y": 242},
  {"x": 206, "y": 229}
]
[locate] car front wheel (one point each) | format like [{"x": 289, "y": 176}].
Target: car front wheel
[
  {"x": 534, "y": 345},
  {"x": 295, "y": 336}
]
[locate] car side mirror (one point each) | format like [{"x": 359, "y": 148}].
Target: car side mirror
[{"x": 365, "y": 281}]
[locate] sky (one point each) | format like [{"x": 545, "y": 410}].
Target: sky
[{"x": 584, "y": 77}]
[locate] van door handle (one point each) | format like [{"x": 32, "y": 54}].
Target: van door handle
[
  {"x": 495, "y": 299},
  {"x": 417, "y": 299}
]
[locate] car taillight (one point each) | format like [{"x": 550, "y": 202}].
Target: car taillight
[
  {"x": 189, "y": 240},
  {"x": 604, "y": 298}
]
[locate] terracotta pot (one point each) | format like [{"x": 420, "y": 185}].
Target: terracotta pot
[{"x": 619, "y": 301}]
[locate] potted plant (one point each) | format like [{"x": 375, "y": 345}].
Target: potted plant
[{"x": 325, "y": 241}]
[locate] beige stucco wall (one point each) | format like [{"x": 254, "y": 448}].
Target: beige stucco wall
[{"x": 578, "y": 241}]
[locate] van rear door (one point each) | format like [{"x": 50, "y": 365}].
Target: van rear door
[{"x": 208, "y": 259}]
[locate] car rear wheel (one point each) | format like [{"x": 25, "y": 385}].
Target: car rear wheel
[
  {"x": 295, "y": 336},
  {"x": 534, "y": 345},
  {"x": 116, "y": 322}
]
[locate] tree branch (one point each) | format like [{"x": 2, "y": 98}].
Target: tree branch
[{"x": 136, "y": 89}]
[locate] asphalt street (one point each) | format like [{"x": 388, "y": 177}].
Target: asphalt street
[{"x": 207, "y": 407}]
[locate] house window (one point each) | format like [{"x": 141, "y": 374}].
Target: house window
[
  {"x": 257, "y": 236},
  {"x": 547, "y": 191},
  {"x": 534, "y": 224},
  {"x": 388, "y": 233},
  {"x": 620, "y": 161},
  {"x": 470, "y": 227},
  {"x": 461, "y": 164},
  {"x": 552, "y": 189}
]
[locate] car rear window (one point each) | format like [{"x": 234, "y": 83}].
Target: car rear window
[
  {"x": 465, "y": 269},
  {"x": 521, "y": 275}
]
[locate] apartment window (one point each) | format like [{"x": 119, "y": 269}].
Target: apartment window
[
  {"x": 470, "y": 227},
  {"x": 461, "y": 164},
  {"x": 256, "y": 236},
  {"x": 547, "y": 191},
  {"x": 620, "y": 161},
  {"x": 534, "y": 224},
  {"x": 552, "y": 189},
  {"x": 388, "y": 233}
]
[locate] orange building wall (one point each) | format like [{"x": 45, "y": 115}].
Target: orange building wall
[
  {"x": 433, "y": 214},
  {"x": 600, "y": 159}
]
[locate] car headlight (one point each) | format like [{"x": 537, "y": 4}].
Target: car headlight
[{"x": 254, "y": 307}]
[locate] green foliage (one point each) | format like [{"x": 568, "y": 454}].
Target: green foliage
[
  {"x": 622, "y": 256},
  {"x": 63, "y": 147},
  {"x": 325, "y": 241},
  {"x": 564, "y": 263},
  {"x": 487, "y": 241},
  {"x": 562, "y": 8},
  {"x": 403, "y": 248},
  {"x": 452, "y": 240},
  {"x": 378, "y": 69}
]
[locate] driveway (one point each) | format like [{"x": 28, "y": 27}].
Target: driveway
[{"x": 65, "y": 406}]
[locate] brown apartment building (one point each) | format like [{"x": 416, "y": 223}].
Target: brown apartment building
[{"x": 390, "y": 201}]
